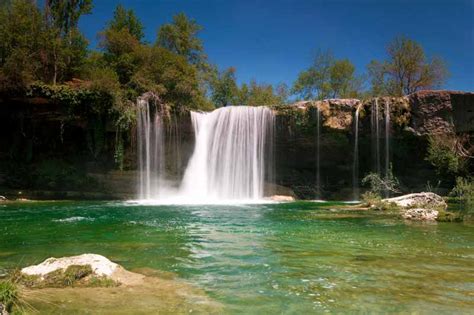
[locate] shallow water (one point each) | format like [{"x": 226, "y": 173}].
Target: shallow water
[{"x": 285, "y": 258}]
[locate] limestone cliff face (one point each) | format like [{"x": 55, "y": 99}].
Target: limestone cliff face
[
  {"x": 412, "y": 119},
  {"x": 35, "y": 129}
]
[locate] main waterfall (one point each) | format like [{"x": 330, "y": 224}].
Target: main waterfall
[{"x": 231, "y": 156}]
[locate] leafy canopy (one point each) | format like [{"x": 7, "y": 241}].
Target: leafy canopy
[
  {"x": 328, "y": 77},
  {"x": 406, "y": 70}
]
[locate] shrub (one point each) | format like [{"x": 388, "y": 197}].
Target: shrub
[
  {"x": 378, "y": 185},
  {"x": 464, "y": 191},
  {"x": 442, "y": 154}
]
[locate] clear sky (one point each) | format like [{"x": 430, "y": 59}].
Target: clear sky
[{"x": 273, "y": 40}]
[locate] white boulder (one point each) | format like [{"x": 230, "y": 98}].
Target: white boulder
[
  {"x": 425, "y": 200},
  {"x": 100, "y": 265}
]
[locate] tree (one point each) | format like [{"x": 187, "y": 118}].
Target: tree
[
  {"x": 327, "y": 77},
  {"x": 126, "y": 20},
  {"x": 65, "y": 14},
  {"x": 22, "y": 45},
  {"x": 181, "y": 38},
  {"x": 258, "y": 94},
  {"x": 170, "y": 76},
  {"x": 120, "y": 41},
  {"x": 67, "y": 46},
  {"x": 224, "y": 89},
  {"x": 406, "y": 70}
]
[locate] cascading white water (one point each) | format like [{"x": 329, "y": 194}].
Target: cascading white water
[
  {"x": 377, "y": 132},
  {"x": 387, "y": 142},
  {"x": 318, "y": 136},
  {"x": 387, "y": 139},
  {"x": 151, "y": 157},
  {"x": 375, "y": 122},
  {"x": 355, "y": 165},
  {"x": 229, "y": 159}
]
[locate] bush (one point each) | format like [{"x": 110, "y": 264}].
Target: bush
[
  {"x": 378, "y": 185},
  {"x": 464, "y": 191},
  {"x": 443, "y": 156}
]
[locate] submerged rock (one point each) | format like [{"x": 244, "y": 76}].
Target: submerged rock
[
  {"x": 419, "y": 214},
  {"x": 424, "y": 200}
]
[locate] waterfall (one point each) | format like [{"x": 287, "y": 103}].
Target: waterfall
[
  {"x": 151, "y": 161},
  {"x": 376, "y": 139},
  {"x": 387, "y": 142},
  {"x": 375, "y": 131},
  {"x": 355, "y": 165},
  {"x": 318, "y": 174},
  {"x": 229, "y": 158}
]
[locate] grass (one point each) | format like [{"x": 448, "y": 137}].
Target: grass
[
  {"x": 9, "y": 295},
  {"x": 73, "y": 276}
]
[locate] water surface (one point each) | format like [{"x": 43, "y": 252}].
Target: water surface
[{"x": 261, "y": 259}]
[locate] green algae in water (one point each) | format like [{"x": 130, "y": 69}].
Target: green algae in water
[{"x": 261, "y": 259}]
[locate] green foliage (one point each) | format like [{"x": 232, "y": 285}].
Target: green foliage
[
  {"x": 225, "y": 91},
  {"x": 180, "y": 37},
  {"x": 379, "y": 184},
  {"x": 328, "y": 78},
  {"x": 371, "y": 198},
  {"x": 65, "y": 14},
  {"x": 443, "y": 156},
  {"x": 445, "y": 216},
  {"x": 257, "y": 94},
  {"x": 464, "y": 191},
  {"x": 126, "y": 20},
  {"x": 406, "y": 70},
  {"x": 224, "y": 88},
  {"x": 9, "y": 295},
  {"x": 22, "y": 38}
]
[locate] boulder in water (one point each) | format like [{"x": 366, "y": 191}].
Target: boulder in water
[
  {"x": 424, "y": 200},
  {"x": 100, "y": 267},
  {"x": 418, "y": 214}
]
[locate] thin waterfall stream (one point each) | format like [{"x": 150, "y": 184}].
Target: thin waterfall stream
[{"x": 355, "y": 165}]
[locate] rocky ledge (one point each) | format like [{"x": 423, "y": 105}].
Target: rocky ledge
[
  {"x": 424, "y": 206},
  {"x": 92, "y": 284}
]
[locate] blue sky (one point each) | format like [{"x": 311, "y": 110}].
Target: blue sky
[{"x": 272, "y": 41}]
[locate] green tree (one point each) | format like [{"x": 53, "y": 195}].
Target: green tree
[
  {"x": 65, "y": 14},
  {"x": 121, "y": 41},
  {"x": 126, "y": 20},
  {"x": 67, "y": 47},
  {"x": 262, "y": 94},
  {"x": 22, "y": 45},
  {"x": 224, "y": 89},
  {"x": 170, "y": 76},
  {"x": 328, "y": 77},
  {"x": 180, "y": 37},
  {"x": 406, "y": 70}
]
